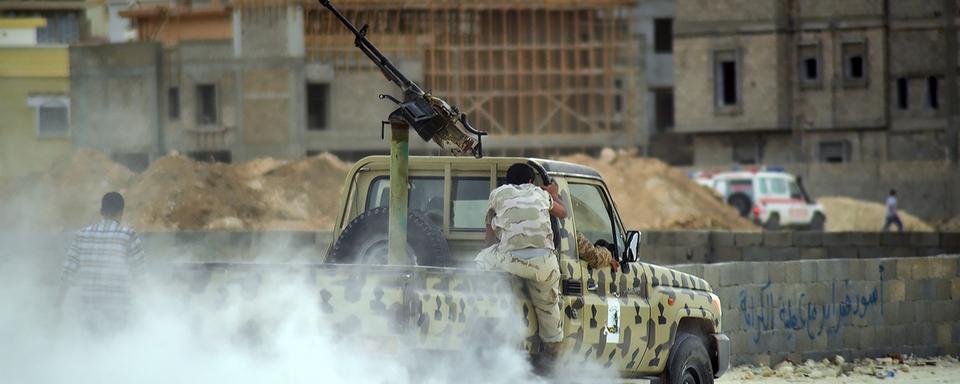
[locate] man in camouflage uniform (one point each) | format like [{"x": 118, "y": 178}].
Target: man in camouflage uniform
[
  {"x": 518, "y": 227},
  {"x": 597, "y": 256}
]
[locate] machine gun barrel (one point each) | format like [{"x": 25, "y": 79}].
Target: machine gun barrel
[{"x": 389, "y": 70}]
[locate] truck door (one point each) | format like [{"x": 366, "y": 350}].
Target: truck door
[{"x": 614, "y": 312}]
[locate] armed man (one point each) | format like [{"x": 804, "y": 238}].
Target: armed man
[{"x": 518, "y": 227}]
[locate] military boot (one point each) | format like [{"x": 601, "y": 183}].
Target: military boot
[{"x": 548, "y": 359}]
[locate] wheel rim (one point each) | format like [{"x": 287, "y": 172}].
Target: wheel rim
[
  {"x": 690, "y": 376},
  {"x": 376, "y": 252}
]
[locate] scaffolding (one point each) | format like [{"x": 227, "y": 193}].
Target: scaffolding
[{"x": 549, "y": 67}]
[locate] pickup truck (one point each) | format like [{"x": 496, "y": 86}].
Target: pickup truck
[{"x": 645, "y": 321}]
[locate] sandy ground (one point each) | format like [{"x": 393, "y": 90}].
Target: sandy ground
[
  {"x": 920, "y": 375},
  {"x": 946, "y": 370}
]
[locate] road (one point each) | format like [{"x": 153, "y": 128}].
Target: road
[{"x": 916, "y": 375}]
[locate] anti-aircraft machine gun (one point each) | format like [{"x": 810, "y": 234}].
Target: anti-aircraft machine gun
[{"x": 430, "y": 116}]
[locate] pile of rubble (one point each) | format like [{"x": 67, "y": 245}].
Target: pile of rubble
[
  {"x": 881, "y": 368},
  {"x": 177, "y": 193}
]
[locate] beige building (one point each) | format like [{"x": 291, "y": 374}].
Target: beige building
[
  {"x": 782, "y": 81},
  {"x": 34, "y": 81},
  {"x": 284, "y": 79}
]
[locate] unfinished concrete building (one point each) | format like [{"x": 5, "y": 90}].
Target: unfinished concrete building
[
  {"x": 782, "y": 81},
  {"x": 282, "y": 78}
]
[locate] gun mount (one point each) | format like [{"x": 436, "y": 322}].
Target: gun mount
[{"x": 430, "y": 116}]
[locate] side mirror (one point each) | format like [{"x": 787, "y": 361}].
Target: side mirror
[{"x": 632, "y": 251}]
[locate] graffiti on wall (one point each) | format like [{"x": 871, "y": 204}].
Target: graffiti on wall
[{"x": 771, "y": 311}]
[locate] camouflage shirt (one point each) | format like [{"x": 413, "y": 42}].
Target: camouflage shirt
[
  {"x": 521, "y": 217},
  {"x": 595, "y": 256}
]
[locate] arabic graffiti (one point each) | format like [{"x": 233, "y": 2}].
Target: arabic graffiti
[{"x": 766, "y": 311}]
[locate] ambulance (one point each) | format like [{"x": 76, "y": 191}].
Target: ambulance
[{"x": 769, "y": 196}]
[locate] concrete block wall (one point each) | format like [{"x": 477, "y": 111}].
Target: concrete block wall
[
  {"x": 681, "y": 247},
  {"x": 814, "y": 309}
]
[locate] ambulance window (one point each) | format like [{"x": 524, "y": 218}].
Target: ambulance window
[
  {"x": 778, "y": 186},
  {"x": 762, "y": 185},
  {"x": 795, "y": 192},
  {"x": 590, "y": 212}
]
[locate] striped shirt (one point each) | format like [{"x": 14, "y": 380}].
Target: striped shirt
[{"x": 102, "y": 262}]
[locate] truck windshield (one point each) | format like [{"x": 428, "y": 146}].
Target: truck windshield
[{"x": 468, "y": 201}]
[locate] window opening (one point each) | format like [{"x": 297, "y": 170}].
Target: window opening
[
  {"x": 591, "y": 213},
  {"x": 317, "y": 100},
  {"x": 206, "y": 104},
  {"x": 903, "y": 93}
]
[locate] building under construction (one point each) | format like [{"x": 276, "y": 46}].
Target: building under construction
[{"x": 283, "y": 78}]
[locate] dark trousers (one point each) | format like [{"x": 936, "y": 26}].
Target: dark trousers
[{"x": 893, "y": 220}]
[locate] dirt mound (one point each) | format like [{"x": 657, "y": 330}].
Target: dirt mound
[
  {"x": 952, "y": 225},
  {"x": 66, "y": 196},
  {"x": 177, "y": 193},
  {"x": 846, "y": 214},
  {"x": 652, "y": 195},
  {"x": 304, "y": 191}
]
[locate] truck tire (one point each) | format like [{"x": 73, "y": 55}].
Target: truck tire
[
  {"x": 773, "y": 223},
  {"x": 742, "y": 203},
  {"x": 818, "y": 222},
  {"x": 689, "y": 362},
  {"x": 365, "y": 240}
]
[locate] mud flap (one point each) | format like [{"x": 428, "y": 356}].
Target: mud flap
[{"x": 721, "y": 353}]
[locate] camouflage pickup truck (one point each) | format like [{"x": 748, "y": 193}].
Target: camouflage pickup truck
[{"x": 644, "y": 321}]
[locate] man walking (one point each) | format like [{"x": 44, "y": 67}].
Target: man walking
[
  {"x": 518, "y": 227},
  {"x": 892, "y": 216},
  {"x": 103, "y": 262}
]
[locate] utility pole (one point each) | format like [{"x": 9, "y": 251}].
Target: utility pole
[{"x": 399, "y": 181}]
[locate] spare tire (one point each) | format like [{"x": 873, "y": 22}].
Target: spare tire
[{"x": 365, "y": 240}]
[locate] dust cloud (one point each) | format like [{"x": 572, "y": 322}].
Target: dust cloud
[{"x": 278, "y": 335}]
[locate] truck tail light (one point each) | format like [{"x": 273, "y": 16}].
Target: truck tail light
[
  {"x": 756, "y": 212},
  {"x": 716, "y": 304}
]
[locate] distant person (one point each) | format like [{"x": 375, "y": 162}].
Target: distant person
[
  {"x": 892, "y": 216},
  {"x": 105, "y": 259}
]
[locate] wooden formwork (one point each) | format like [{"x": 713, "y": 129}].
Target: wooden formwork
[{"x": 549, "y": 67}]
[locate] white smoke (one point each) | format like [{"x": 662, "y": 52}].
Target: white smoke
[{"x": 173, "y": 340}]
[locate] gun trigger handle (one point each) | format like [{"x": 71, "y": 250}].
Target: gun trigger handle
[{"x": 393, "y": 99}]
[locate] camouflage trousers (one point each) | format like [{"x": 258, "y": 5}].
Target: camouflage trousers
[{"x": 541, "y": 275}]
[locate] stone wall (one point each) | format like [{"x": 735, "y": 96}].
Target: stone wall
[
  {"x": 815, "y": 309},
  {"x": 681, "y": 247}
]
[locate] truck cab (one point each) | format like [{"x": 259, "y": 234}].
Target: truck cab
[{"x": 644, "y": 321}]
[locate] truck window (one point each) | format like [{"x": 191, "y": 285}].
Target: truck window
[
  {"x": 469, "y": 204},
  {"x": 426, "y": 194},
  {"x": 778, "y": 186},
  {"x": 795, "y": 192},
  {"x": 590, "y": 212},
  {"x": 762, "y": 186}
]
